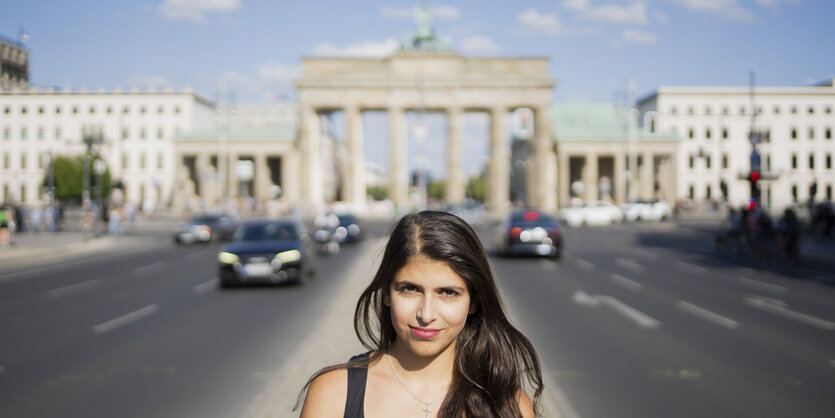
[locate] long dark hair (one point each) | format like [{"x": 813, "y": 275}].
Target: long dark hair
[{"x": 491, "y": 355}]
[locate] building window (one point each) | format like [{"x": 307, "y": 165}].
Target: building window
[
  {"x": 794, "y": 193},
  {"x": 776, "y": 110},
  {"x": 23, "y": 133},
  {"x": 794, "y": 110},
  {"x": 40, "y": 133},
  {"x": 7, "y": 110},
  {"x": 724, "y": 133},
  {"x": 177, "y": 110},
  {"x": 160, "y": 110},
  {"x": 23, "y": 161},
  {"x": 109, "y": 110},
  {"x": 759, "y": 110},
  {"x": 75, "y": 110},
  {"x": 690, "y": 110},
  {"x": 724, "y": 161},
  {"x": 768, "y": 162},
  {"x": 57, "y": 133},
  {"x": 92, "y": 110},
  {"x": 707, "y": 161},
  {"x": 811, "y": 133},
  {"x": 159, "y": 161},
  {"x": 160, "y": 133},
  {"x": 692, "y": 192},
  {"x": 725, "y": 110},
  {"x": 828, "y": 192},
  {"x": 692, "y": 162},
  {"x": 23, "y": 110},
  {"x": 707, "y": 193},
  {"x": 794, "y": 161},
  {"x": 125, "y": 133},
  {"x": 126, "y": 110},
  {"x": 707, "y": 110},
  {"x": 124, "y": 161},
  {"x": 794, "y": 133},
  {"x": 40, "y": 110},
  {"x": 742, "y": 110},
  {"x": 707, "y": 133},
  {"x": 828, "y": 133},
  {"x": 5, "y": 161},
  {"x": 829, "y": 161},
  {"x": 142, "y": 133},
  {"x": 673, "y": 110},
  {"x": 141, "y": 161},
  {"x": 142, "y": 110},
  {"x": 690, "y": 133},
  {"x": 7, "y": 133},
  {"x": 811, "y": 161},
  {"x": 827, "y": 110},
  {"x": 811, "y": 110},
  {"x": 57, "y": 110}
]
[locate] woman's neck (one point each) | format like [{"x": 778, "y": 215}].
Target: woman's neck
[{"x": 423, "y": 371}]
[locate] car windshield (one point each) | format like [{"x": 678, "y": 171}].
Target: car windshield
[
  {"x": 267, "y": 232},
  {"x": 205, "y": 220},
  {"x": 532, "y": 219}
]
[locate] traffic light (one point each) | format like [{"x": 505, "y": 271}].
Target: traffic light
[{"x": 754, "y": 178}]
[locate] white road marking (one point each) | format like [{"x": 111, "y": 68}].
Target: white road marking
[
  {"x": 832, "y": 363},
  {"x": 756, "y": 284},
  {"x": 762, "y": 304},
  {"x": 205, "y": 287},
  {"x": 73, "y": 289},
  {"x": 2, "y": 369},
  {"x": 639, "y": 318},
  {"x": 630, "y": 265},
  {"x": 691, "y": 268},
  {"x": 584, "y": 265},
  {"x": 126, "y": 319},
  {"x": 149, "y": 269},
  {"x": 771, "y": 301},
  {"x": 584, "y": 299},
  {"x": 627, "y": 283},
  {"x": 644, "y": 253},
  {"x": 708, "y": 315}
]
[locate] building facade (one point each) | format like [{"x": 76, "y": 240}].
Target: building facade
[
  {"x": 14, "y": 65},
  {"x": 714, "y": 124}
]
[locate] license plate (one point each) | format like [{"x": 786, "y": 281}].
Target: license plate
[{"x": 257, "y": 270}]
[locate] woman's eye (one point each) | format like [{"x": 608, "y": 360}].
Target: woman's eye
[
  {"x": 407, "y": 288},
  {"x": 449, "y": 292}
]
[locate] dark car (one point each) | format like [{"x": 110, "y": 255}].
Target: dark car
[
  {"x": 530, "y": 232},
  {"x": 349, "y": 229},
  {"x": 206, "y": 228},
  {"x": 267, "y": 251}
]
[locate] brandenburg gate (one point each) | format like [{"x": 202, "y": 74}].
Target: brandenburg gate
[{"x": 436, "y": 81}]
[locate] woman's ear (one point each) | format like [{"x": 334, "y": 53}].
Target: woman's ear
[
  {"x": 387, "y": 297},
  {"x": 473, "y": 307}
]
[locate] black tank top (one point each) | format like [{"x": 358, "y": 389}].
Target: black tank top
[{"x": 356, "y": 389}]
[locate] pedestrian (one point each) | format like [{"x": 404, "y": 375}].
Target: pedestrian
[
  {"x": 441, "y": 344},
  {"x": 5, "y": 220}
]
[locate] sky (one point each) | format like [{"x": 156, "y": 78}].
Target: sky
[{"x": 595, "y": 46}]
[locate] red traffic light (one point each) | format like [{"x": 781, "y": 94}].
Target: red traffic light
[{"x": 754, "y": 176}]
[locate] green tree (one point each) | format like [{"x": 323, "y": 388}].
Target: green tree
[
  {"x": 378, "y": 192},
  {"x": 476, "y": 188},
  {"x": 68, "y": 174},
  {"x": 437, "y": 189}
]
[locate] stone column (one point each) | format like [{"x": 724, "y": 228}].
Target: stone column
[
  {"x": 398, "y": 181},
  {"x": 354, "y": 183},
  {"x": 619, "y": 180},
  {"x": 311, "y": 158},
  {"x": 646, "y": 176},
  {"x": 498, "y": 175},
  {"x": 456, "y": 180},
  {"x": 203, "y": 171},
  {"x": 542, "y": 182},
  {"x": 564, "y": 167},
  {"x": 261, "y": 186},
  {"x": 591, "y": 177},
  {"x": 233, "y": 184}
]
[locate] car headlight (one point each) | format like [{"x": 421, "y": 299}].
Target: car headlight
[
  {"x": 289, "y": 256},
  {"x": 227, "y": 258}
]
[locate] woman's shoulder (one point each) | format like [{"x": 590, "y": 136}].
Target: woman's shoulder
[
  {"x": 525, "y": 404},
  {"x": 327, "y": 394}
]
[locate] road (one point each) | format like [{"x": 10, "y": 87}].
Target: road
[{"x": 635, "y": 321}]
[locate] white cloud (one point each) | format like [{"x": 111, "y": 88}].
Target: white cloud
[
  {"x": 773, "y": 4},
  {"x": 727, "y": 8},
  {"x": 638, "y": 36},
  {"x": 547, "y": 23},
  {"x": 274, "y": 72},
  {"x": 478, "y": 45},
  {"x": 576, "y": 5},
  {"x": 195, "y": 10},
  {"x": 635, "y": 13},
  {"x": 660, "y": 16},
  {"x": 155, "y": 82},
  {"x": 438, "y": 12},
  {"x": 360, "y": 49}
]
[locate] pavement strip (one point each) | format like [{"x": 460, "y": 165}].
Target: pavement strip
[
  {"x": 756, "y": 284},
  {"x": 583, "y": 265},
  {"x": 639, "y": 318},
  {"x": 126, "y": 319},
  {"x": 707, "y": 315},
  {"x": 206, "y": 287},
  {"x": 630, "y": 264},
  {"x": 765, "y": 305},
  {"x": 74, "y": 288},
  {"x": 627, "y": 283}
]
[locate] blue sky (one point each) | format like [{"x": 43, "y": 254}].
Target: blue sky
[{"x": 595, "y": 46}]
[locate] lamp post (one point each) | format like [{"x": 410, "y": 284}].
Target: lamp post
[
  {"x": 98, "y": 169},
  {"x": 91, "y": 135}
]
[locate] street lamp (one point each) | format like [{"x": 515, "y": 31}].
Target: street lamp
[
  {"x": 91, "y": 135},
  {"x": 98, "y": 168}
]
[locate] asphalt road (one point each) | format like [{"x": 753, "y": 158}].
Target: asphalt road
[{"x": 635, "y": 321}]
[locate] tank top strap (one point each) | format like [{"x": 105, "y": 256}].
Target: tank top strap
[{"x": 357, "y": 377}]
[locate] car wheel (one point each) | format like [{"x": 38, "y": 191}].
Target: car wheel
[{"x": 226, "y": 284}]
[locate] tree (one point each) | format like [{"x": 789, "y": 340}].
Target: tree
[
  {"x": 476, "y": 188},
  {"x": 437, "y": 189},
  {"x": 377, "y": 192},
  {"x": 68, "y": 174}
]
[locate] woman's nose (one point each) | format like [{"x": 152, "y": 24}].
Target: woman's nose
[{"x": 426, "y": 312}]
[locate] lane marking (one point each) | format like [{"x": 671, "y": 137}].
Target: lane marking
[
  {"x": 639, "y": 318},
  {"x": 644, "y": 253},
  {"x": 74, "y": 288},
  {"x": 630, "y": 264},
  {"x": 762, "y": 304},
  {"x": 2, "y": 369},
  {"x": 584, "y": 265},
  {"x": 691, "y": 268},
  {"x": 708, "y": 315},
  {"x": 582, "y": 298},
  {"x": 205, "y": 287},
  {"x": 149, "y": 269},
  {"x": 126, "y": 319},
  {"x": 627, "y": 283},
  {"x": 756, "y": 284},
  {"x": 832, "y": 363}
]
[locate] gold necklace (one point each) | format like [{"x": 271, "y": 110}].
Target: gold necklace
[{"x": 426, "y": 409}]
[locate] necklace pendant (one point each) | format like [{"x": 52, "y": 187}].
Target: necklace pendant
[{"x": 427, "y": 411}]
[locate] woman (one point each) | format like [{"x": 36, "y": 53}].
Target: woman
[{"x": 441, "y": 345}]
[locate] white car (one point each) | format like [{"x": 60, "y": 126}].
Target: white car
[
  {"x": 595, "y": 212},
  {"x": 654, "y": 211}
]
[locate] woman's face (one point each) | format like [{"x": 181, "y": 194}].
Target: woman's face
[{"x": 429, "y": 306}]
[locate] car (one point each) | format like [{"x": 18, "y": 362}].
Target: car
[
  {"x": 641, "y": 210},
  {"x": 594, "y": 212},
  {"x": 205, "y": 228},
  {"x": 530, "y": 232},
  {"x": 267, "y": 251},
  {"x": 349, "y": 229}
]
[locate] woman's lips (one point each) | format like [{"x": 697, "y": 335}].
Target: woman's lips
[{"x": 425, "y": 333}]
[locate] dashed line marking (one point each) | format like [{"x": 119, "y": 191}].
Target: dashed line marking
[
  {"x": 123, "y": 320},
  {"x": 73, "y": 289},
  {"x": 149, "y": 269},
  {"x": 756, "y": 284},
  {"x": 629, "y": 264},
  {"x": 584, "y": 265},
  {"x": 708, "y": 315},
  {"x": 205, "y": 287},
  {"x": 627, "y": 283},
  {"x": 762, "y": 304},
  {"x": 584, "y": 299},
  {"x": 639, "y": 318},
  {"x": 644, "y": 253}
]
